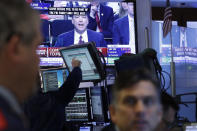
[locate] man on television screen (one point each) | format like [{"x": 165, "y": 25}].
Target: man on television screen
[
  {"x": 80, "y": 34},
  {"x": 124, "y": 29},
  {"x": 101, "y": 19},
  {"x": 123, "y": 10}
]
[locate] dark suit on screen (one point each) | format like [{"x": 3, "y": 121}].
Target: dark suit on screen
[
  {"x": 67, "y": 39},
  {"x": 106, "y": 20},
  {"x": 121, "y": 31}
]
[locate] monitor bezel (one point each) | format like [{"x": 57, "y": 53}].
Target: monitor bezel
[{"x": 94, "y": 55}]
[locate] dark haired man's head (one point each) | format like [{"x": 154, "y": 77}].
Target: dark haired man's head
[
  {"x": 170, "y": 107},
  {"x": 124, "y": 5},
  {"x": 94, "y": 3},
  {"x": 19, "y": 37},
  {"x": 130, "y": 9},
  {"x": 128, "y": 79},
  {"x": 136, "y": 101},
  {"x": 80, "y": 23}
]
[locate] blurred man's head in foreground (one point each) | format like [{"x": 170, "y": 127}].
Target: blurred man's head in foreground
[{"x": 19, "y": 38}]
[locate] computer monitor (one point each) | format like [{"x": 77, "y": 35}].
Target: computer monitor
[
  {"x": 52, "y": 79},
  {"x": 98, "y": 128},
  {"x": 190, "y": 127},
  {"x": 78, "y": 110},
  {"x": 97, "y": 104},
  {"x": 85, "y": 128},
  {"x": 92, "y": 67}
]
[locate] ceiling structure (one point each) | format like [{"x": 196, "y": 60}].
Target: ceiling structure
[
  {"x": 182, "y": 10},
  {"x": 175, "y": 3}
]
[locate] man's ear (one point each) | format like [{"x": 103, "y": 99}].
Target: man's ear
[
  {"x": 112, "y": 111},
  {"x": 13, "y": 48}
]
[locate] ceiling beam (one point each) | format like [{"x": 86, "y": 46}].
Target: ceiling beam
[{"x": 182, "y": 15}]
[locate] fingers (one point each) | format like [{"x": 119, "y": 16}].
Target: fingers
[{"x": 76, "y": 63}]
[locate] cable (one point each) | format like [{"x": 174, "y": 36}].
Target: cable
[
  {"x": 105, "y": 84},
  {"x": 164, "y": 81},
  {"x": 158, "y": 70},
  {"x": 169, "y": 79},
  {"x": 160, "y": 79},
  {"x": 104, "y": 63}
]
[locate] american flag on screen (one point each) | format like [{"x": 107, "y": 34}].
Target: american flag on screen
[{"x": 167, "y": 24}]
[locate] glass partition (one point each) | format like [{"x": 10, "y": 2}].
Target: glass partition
[{"x": 184, "y": 41}]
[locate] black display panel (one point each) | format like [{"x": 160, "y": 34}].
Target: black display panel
[
  {"x": 78, "y": 110},
  {"x": 97, "y": 104}
]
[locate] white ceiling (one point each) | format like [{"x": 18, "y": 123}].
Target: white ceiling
[{"x": 175, "y": 3}]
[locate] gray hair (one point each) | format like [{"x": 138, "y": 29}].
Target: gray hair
[{"x": 17, "y": 18}]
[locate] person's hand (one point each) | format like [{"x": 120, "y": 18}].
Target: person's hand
[
  {"x": 93, "y": 10},
  {"x": 76, "y": 63}
]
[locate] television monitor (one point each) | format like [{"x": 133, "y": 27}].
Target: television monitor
[
  {"x": 85, "y": 128},
  {"x": 57, "y": 19},
  {"x": 97, "y": 104},
  {"x": 78, "y": 110},
  {"x": 190, "y": 127},
  {"x": 92, "y": 67},
  {"x": 98, "y": 128},
  {"x": 52, "y": 79}
]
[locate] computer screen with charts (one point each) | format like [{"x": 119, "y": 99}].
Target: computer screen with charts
[
  {"x": 92, "y": 67},
  {"x": 79, "y": 108},
  {"x": 52, "y": 79},
  {"x": 85, "y": 128},
  {"x": 97, "y": 104}
]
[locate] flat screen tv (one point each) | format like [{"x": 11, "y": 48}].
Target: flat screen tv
[{"x": 111, "y": 22}]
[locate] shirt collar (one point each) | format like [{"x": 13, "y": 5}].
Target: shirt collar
[
  {"x": 99, "y": 7},
  {"x": 84, "y": 35},
  {"x": 130, "y": 18},
  {"x": 76, "y": 33}
]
